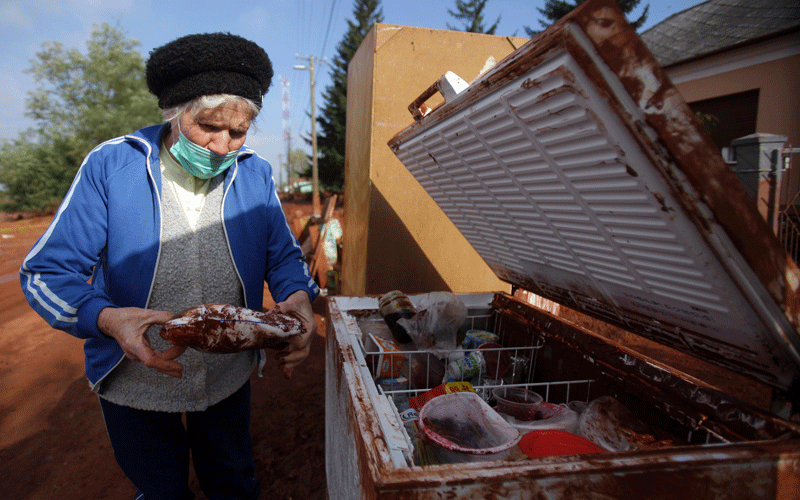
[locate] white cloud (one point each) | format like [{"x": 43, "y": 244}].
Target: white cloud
[
  {"x": 12, "y": 104},
  {"x": 255, "y": 20},
  {"x": 14, "y": 17},
  {"x": 26, "y": 15}
]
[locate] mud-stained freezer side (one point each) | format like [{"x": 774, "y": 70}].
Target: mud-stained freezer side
[{"x": 355, "y": 449}]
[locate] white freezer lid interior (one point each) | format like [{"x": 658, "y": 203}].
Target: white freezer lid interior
[{"x": 562, "y": 186}]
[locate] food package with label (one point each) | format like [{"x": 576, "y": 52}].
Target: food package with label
[
  {"x": 385, "y": 358},
  {"x": 448, "y": 388}
]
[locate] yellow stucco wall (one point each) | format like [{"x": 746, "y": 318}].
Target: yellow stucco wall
[{"x": 397, "y": 237}]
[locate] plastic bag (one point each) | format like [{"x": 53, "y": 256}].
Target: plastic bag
[
  {"x": 332, "y": 235},
  {"x": 435, "y": 327},
  {"x": 612, "y": 426}
]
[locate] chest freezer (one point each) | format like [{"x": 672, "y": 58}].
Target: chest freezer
[{"x": 577, "y": 172}]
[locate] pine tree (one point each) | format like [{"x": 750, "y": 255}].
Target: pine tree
[
  {"x": 470, "y": 12},
  {"x": 333, "y": 114},
  {"x": 556, "y": 9}
]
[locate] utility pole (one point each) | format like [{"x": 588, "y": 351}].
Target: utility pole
[
  {"x": 314, "y": 169},
  {"x": 287, "y": 125}
]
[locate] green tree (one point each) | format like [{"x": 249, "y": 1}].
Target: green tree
[
  {"x": 556, "y": 9},
  {"x": 298, "y": 164},
  {"x": 80, "y": 100},
  {"x": 707, "y": 121},
  {"x": 470, "y": 12},
  {"x": 333, "y": 114}
]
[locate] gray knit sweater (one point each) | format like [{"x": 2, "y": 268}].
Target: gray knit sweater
[{"x": 194, "y": 267}]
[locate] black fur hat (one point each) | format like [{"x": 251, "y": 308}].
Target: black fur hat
[{"x": 207, "y": 64}]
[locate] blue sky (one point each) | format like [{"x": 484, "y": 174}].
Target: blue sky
[{"x": 285, "y": 28}]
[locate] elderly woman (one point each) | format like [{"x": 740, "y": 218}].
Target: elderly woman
[{"x": 158, "y": 221}]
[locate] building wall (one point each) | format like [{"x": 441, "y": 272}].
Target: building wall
[
  {"x": 772, "y": 67},
  {"x": 397, "y": 237}
]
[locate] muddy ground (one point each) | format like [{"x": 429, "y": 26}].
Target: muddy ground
[{"x": 53, "y": 443}]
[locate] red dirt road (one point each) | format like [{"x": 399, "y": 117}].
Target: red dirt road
[{"x": 53, "y": 443}]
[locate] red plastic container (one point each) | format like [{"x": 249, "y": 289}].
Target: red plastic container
[
  {"x": 517, "y": 402},
  {"x": 548, "y": 443}
]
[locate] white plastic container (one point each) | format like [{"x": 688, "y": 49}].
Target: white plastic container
[
  {"x": 466, "y": 429},
  {"x": 548, "y": 417}
]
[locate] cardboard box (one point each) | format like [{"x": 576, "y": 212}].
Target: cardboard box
[{"x": 385, "y": 358}]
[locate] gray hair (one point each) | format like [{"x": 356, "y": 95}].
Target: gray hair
[{"x": 199, "y": 104}]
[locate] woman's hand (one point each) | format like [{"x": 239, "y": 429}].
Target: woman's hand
[
  {"x": 128, "y": 326},
  {"x": 299, "y": 306}
]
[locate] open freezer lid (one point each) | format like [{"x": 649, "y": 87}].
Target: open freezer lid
[{"x": 577, "y": 172}]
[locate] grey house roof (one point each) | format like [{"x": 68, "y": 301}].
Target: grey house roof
[{"x": 718, "y": 24}]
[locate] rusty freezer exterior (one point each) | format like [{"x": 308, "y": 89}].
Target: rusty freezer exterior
[
  {"x": 366, "y": 452},
  {"x": 578, "y": 173}
]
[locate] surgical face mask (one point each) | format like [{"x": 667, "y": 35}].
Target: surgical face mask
[{"x": 199, "y": 161}]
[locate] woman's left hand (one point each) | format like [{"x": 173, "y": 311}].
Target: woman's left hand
[{"x": 299, "y": 306}]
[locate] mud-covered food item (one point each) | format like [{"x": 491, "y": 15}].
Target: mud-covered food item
[
  {"x": 225, "y": 328},
  {"x": 393, "y": 306}
]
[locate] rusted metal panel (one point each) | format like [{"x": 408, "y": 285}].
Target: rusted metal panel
[
  {"x": 677, "y": 395},
  {"x": 735, "y": 474},
  {"x": 577, "y": 172},
  {"x": 693, "y": 151}
]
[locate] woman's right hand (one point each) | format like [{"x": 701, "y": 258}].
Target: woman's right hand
[{"x": 128, "y": 326}]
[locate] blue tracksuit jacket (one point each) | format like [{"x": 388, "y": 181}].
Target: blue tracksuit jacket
[{"x": 104, "y": 242}]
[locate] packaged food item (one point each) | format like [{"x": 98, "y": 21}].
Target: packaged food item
[
  {"x": 474, "y": 338},
  {"x": 424, "y": 450},
  {"x": 409, "y": 418},
  {"x": 409, "y": 415},
  {"x": 384, "y": 358},
  {"x": 448, "y": 388},
  {"x": 393, "y": 306},
  {"x": 397, "y": 388},
  {"x": 225, "y": 328},
  {"x": 440, "y": 316},
  {"x": 379, "y": 329},
  {"x": 465, "y": 368}
]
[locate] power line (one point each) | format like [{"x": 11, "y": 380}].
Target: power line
[
  {"x": 328, "y": 30},
  {"x": 304, "y": 43}
]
